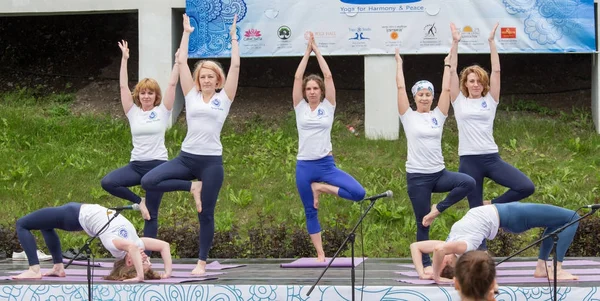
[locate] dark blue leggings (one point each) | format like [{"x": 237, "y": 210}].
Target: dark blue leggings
[
  {"x": 520, "y": 217},
  {"x": 65, "y": 217},
  {"x": 420, "y": 186},
  {"x": 175, "y": 175},
  {"x": 117, "y": 181},
  {"x": 323, "y": 170},
  {"x": 493, "y": 167}
]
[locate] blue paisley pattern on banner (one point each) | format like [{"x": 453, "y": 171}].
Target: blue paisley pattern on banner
[
  {"x": 547, "y": 21},
  {"x": 211, "y": 20},
  {"x": 135, "y": 292}
]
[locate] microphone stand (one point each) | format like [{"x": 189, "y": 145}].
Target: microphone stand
[
  {"x": 88, "y": 251},
  {"x": 555, "y": 237},
  {"x": 350, "y": 238}
]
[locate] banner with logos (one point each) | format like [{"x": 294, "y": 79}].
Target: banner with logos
[{"x": 362, "y": 27}]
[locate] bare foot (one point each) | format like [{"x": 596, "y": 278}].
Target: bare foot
[
  {"x": 200, "y": 268},
  {"x": 30, "y": 274},
  {"x": 487, "y": 202},
  {"x": 315, "y": 189},
  {"x": 144, "y": 210},
  {"x": 195, "y": 190},
  {"x": 560, "y": 275},
  {"x": 321, "y": 258},
  {"x": 428, "y": 219},
  {"x": 55, "y": 273}
]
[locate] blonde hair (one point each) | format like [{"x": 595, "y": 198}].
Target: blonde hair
[
  {"x": 146, "y": 84},
  {"x": 320, "y": 82},
  {"x": 121, "y": 271},
  {"x": 210, "y": 65},
  {"x": 483, "y": 78}
]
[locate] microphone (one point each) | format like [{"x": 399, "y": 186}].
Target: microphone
[
  {"x": 135, "y": 207},
  {"x": 593, "y": 207},
  {"x": 387, "y": 194}
]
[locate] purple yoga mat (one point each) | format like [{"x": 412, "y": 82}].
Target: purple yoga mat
[
  {"x": 215, "y": 265},
  {"x": 100, "y": 280},
  {"x": 518, "y": 264},
  {"x": 500, "y": 272},
  {"x": 101, "y": 272},
  {"x": 340, "y": 262},
  {"x": 510, "y": 280}
]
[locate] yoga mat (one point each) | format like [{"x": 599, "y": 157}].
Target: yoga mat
[
  {"x": 509, "y": 280},
  {"x": 215, "y": 265},
  {"x": 340, "y": 262},
  {"x": 500, "y": 272},
  {"x": 101, "y": 272},
  {"x": 517, "y": 264},
  {"x": 100, "y": 280}
]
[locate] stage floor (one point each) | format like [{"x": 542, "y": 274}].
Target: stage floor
[
  {"x": 276, "y": 283},
  {"x": 376, "y": 271}
]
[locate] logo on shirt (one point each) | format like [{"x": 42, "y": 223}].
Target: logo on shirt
[
  {"x": 123, "y": 233},
  {"x": 320, "y": 112},
  {"x": 484, "y": 104},
  {"x": 434, "y": 121},
  {"x": 152, "y": 115},
  {"x": 216, "y": 102}
]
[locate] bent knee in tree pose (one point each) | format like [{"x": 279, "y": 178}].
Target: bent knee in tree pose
[{"x": 316, "y": 173}]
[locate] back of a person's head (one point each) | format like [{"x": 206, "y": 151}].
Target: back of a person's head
[{"x": 475, "y": 273}]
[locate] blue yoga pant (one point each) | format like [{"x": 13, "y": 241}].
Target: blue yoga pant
[
  {"x": 323, "y": 170},
  {"x": 65, "y": 217},
  {"x": 175, "y": 175},
  {"x": 520, "y": 217},
  {"x": 420, "y": 186},
  {"x": 493, "y": 167},
  {"x": 118, "y": 181}
]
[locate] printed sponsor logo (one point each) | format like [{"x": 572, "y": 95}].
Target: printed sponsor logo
[
  {"x": 508, "y": 32},
  {"x": 284, "y": 32},
  {"x": 252, "y": 35}
]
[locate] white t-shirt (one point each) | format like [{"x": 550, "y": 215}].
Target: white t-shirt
[
  {"x": 423, "y": 133},
  {"x": 93, "y": 217},
  {"x": 478, "y": 224},
  {"x": 205, "y": 121},
  {"x": 475, "y": 120},
  {"x": 314, "y": 130},
  {"x": 148, "y": 132}
]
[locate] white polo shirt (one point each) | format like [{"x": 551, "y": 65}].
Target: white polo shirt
[
  {"x": 475, "y": 120},
  {"x": 148, "y": 132},
  {"x": 93, "y": 217},
  {"x": 205, "y": 121},
  {"x": 478, "y": 224},
  {"x": 314, "y": 130},
  {"x": 423, "y": 133}
]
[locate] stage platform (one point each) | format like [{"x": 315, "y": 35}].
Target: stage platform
[{"x": 264, "y": 279}]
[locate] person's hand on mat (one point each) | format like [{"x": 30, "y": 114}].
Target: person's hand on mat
[
  {"x": 135, "y": 279},
  {"x": 442, "y": 280},
  {"x": 426, "y": 276},
  {"x": 165, "y": 275}
]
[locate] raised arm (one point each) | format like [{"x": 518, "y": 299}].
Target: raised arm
[
  {"x": 441, "y": 250},
  {"x": 170, "y": 92},
  {"x": 164, "y": 248},
  {"x": 327, "y": 76},
  {"x": 185, "y": 75},
  {"x": 416, "y": 252},
  {"x": 454, "y": 80},
  {"x": 134, "y": 252},
  {"x": 495, "y": 58},
  {"x": 444, "y": 101},
  {"x": 234, "y": 68},
  {"x": 403, "y": 103},
  {"x": 297, "y": 94},
  {"x": 126, "y": 98}
]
